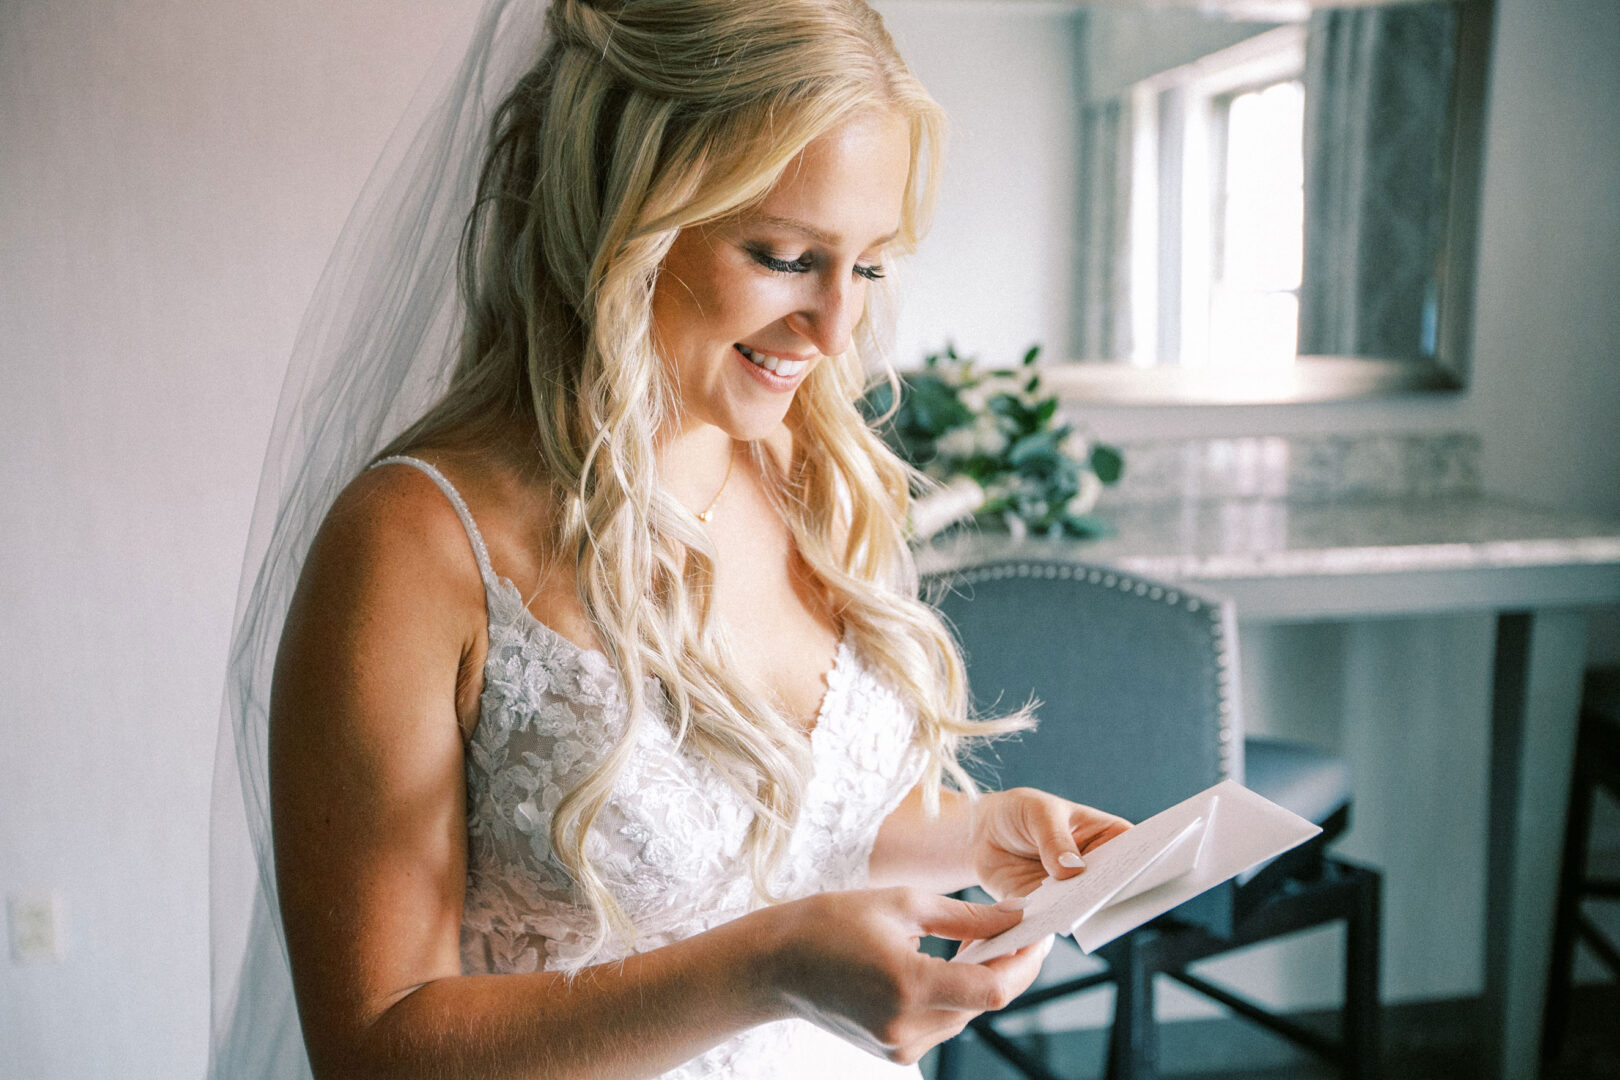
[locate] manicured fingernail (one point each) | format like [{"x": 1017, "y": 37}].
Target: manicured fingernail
[
  {"x": 1071, "y": 860},
  {"x": 1012, "y": 903}
]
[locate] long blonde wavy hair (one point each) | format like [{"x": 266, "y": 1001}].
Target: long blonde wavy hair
[{"x": 642, "y": 118}]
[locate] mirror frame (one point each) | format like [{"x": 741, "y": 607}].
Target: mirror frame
[{"x": 1337, "y": 378}]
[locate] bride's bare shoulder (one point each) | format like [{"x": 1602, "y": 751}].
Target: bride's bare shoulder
[
  {"x": 396, "y": 508},
  {"x": 395, "y": 520},
  {"x": 393, "y": 542}
]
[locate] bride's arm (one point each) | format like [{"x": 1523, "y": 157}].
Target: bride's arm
[
  {"x": 367, "y": 794},
  {"x": 926, "y": 853}
]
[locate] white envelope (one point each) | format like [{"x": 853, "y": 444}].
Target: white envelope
[{"x": 1153, "y": 867}]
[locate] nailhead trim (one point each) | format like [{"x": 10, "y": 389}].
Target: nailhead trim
[{"x": 1226, "y": 708}]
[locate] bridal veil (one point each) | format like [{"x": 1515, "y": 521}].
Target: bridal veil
[{"x": 374, "y": 350}]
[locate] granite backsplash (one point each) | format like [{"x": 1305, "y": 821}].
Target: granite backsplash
[{"x": 1310, "y": 468}]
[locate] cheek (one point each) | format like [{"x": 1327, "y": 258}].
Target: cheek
[
  {"x": 688, "y": 302},
  {"x": 702, "y": 300}
]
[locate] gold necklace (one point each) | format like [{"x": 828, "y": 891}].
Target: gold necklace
[{"x": 708, "y": 511}]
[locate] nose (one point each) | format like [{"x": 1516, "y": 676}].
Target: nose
[{"x": 828, "y": 317}]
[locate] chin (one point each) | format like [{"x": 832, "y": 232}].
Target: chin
[{"x": 754, "y": 428}]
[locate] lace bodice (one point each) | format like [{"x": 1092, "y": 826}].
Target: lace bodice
[{"x": 668, "y": 843}]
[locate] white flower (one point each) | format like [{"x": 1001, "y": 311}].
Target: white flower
[
  {"x": 956, "y": 500},
  {"x": 1076, "y": 446},
  {"x": 958, "y": 442},
  {"x": 1082, "y": 501},
  {"x": 977, "y": 397},
  {"x": 954, "y": 372},
  {"x": 988, "y": 438},
  {"x": 999, "y": 489}
]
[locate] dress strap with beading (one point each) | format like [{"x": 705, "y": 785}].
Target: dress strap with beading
[{"x": 480, "y": 550}]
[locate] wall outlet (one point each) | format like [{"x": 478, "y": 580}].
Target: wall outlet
[{"x": 35, "y": 929}]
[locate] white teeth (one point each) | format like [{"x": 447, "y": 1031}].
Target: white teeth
[{"x": 785, "y": 368}]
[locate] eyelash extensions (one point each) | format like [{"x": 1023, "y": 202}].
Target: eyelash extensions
[{"x": 804, "y": 263}]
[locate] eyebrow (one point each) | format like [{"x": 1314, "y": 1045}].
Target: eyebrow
[{"x": 820, "y": 236}]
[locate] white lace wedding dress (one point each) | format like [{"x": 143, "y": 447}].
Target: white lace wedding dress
[{"x": 668, "y": 842}]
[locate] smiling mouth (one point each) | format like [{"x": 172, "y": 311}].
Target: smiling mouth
[{"x": 778, "y": 365}]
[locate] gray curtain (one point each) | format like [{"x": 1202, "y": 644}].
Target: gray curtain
[
  {"x": 1102, "y": 325},
  {"x": 1377, "y": 99}
]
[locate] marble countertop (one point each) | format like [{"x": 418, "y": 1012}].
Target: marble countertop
[{"x": 1221, "y": 539}]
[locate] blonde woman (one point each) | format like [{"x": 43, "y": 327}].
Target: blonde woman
[{"x": 606, "y": 737}]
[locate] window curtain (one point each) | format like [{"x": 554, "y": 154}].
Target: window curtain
[
  {"x": 1102, "y": 325},
  {"x": 1378, "y": 100}
]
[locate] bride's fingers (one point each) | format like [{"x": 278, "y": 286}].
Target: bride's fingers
[
  {"x": 983, "y": 987},
  {"x": 1051, "y": 823},
  {"x": 960, "y": 920},
  {"x": 1091, "y": 828}
]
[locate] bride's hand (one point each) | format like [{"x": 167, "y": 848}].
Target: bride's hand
[
  {"x": 1021, "y": 836},
  {"x": 850, "y": 962}
]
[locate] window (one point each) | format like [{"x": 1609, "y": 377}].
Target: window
[
  {"x": 1217, "y": 206},
  {"x": 1259, "y": 234}
]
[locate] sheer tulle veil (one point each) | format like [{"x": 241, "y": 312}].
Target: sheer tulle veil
[{"x": 374, "y": 350}]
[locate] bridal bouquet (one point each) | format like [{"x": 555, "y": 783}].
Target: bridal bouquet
[{"x": 991, "y": 438}]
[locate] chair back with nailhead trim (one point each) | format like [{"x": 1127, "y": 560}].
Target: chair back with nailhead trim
[{"x": 1135, "y": 680}]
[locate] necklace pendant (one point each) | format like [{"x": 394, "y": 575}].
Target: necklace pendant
[{"x": 708, "y": 511}]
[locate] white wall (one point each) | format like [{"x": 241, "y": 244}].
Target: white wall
[
  {"x": 992, "y": 282},
  {"x": 171, "y": 176}
]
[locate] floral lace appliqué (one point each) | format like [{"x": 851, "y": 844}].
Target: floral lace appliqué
[{"x": 669, "y": 841}]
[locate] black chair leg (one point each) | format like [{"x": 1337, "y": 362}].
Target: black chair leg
[
  {"x": 947, "y": 1066},
  {"x": 1133, "y": 1047},
  {"x": 1571, "y": 876},
  {"x": 1363, "y": 1012}
]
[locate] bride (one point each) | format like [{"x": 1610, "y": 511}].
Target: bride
[{"x": 606, "y": 737}]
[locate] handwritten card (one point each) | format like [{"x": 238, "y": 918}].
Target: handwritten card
[{"x": 1153, "y": 867}]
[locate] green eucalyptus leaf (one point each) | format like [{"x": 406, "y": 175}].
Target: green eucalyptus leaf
[
  {"x": 1008, "y": 406},
  {"x": 1029, "y": 357},
  {"x": 934, "y": 408},
  {"x": 1108, "y": 463},
  {"x": 1087, "y": 526},
  {"x": 1036, "y": 447},
  {"x": 981, "y": 470}
]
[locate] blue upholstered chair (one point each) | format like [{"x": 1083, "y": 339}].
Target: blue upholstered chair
[{"x": 1139, "y": 708}]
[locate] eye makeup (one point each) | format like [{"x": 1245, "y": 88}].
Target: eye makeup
[{"x": 805, "y": 263}]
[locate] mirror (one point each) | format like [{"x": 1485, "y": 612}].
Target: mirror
[{"x": 1255, "y": 200}]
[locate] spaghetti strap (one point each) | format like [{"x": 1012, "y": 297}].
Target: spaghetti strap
[{"x": 480, "y": 551}]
